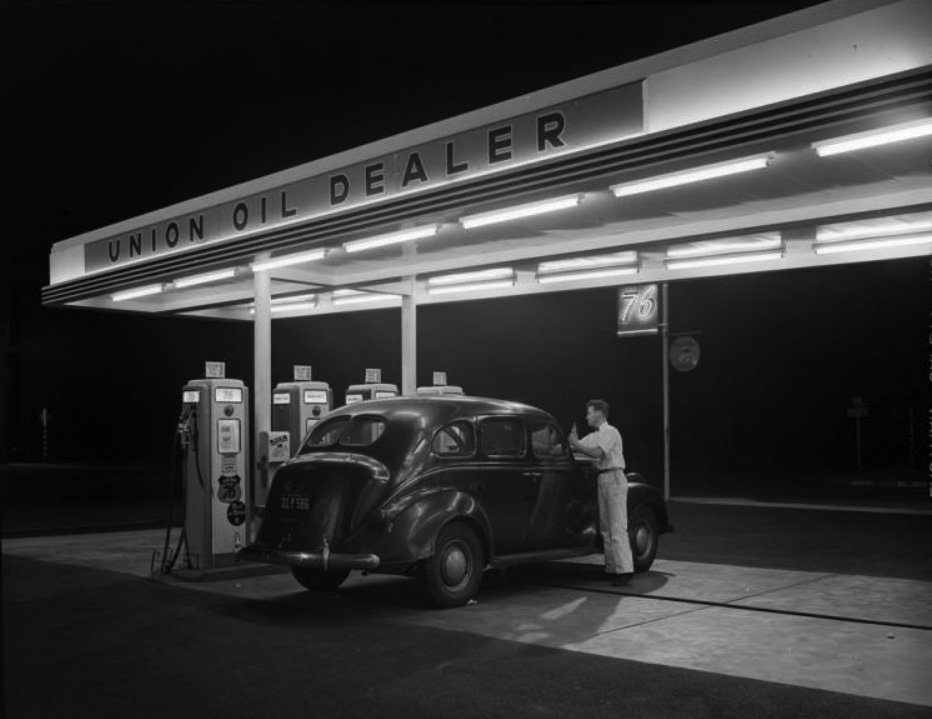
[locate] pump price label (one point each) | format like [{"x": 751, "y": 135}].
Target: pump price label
[
  {"x": 384, "y": 395},
  {"x": 281, "y": 398},
  {"x": 302, "y": 373},
  {"x": 191, "y": 396},
  {"x": 440, "y": 379},
  {"x": 315, "y": 396},
  {"x": 228, "y": 394},
  {"x": 353, "y": 398},
  {"x": 373, "y": 376}
]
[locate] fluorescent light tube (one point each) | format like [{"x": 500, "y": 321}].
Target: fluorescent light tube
[
  {"x": 495, "y": 273},
  {"x": 368, "y": 243},
  {"x": 830, "y": 234},
  {"x": 729, "y": 260},
  {"x": 138, "y": 292},
  {"x": 721, "y": 247},
  {"x": 588, "y": 275},
  {"x": 519, "y": 211},
  {"x": 289, "y": 307},
  {"x": 205, "y": 278},
  {"x": 707, "y": 172},
  {"x": 873, "y": 138},
  {"x": 470, "y": 287},
  {"x": 587, "y": 262},
  {"x": 363, "y": 298},
  {"x": 858, "y": 245},
  {"x": 289, "y": 260}
]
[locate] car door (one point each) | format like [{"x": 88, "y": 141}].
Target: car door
[
  {"x": 508, "y": 485},
  {"x": 549, "y": 523}
]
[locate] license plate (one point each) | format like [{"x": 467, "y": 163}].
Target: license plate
[{"x": 296, "y": 502}]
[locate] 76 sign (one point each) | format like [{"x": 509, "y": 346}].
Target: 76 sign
[{"x": 638, "y": 310}]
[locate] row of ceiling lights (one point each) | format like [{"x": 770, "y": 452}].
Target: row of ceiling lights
[{"x": 583, "y": 268}]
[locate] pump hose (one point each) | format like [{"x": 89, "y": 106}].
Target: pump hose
[
  {"x": 183, "y": 539},
  {"x": 176, "y": 440}
]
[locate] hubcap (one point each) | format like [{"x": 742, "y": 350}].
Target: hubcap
[
  {"x": 642, "y": 539},
  {"x": 455, "y": 565}
]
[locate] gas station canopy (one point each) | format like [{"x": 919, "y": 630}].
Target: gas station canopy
[{"x": 798, "y": 142}]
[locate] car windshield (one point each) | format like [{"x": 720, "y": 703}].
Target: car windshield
[{"x": 346, "y": 432}]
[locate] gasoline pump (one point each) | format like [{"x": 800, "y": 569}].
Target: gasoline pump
[
  {"x": 297, "y": 406},
  {"x": 213, "y": 438},
  {"x": 374, "y": 388}
]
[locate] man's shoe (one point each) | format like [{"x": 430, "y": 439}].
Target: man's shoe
[{"x": 620, "y": 580}]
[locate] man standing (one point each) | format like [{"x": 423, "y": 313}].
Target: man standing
[{"x": 604, "y": 444}]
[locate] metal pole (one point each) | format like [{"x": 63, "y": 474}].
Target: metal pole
[
  {"x": 409, "y": 339},
  {"x": 666, "y": 392},
  {"x": 262, "y": 392}
]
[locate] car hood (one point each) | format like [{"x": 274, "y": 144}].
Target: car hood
[{"x": 322, "y": 499}]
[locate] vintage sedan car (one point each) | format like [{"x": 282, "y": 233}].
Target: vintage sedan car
[{"x": 439, "y": 487}]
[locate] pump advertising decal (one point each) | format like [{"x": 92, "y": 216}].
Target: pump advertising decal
[{"x": 587, "y": 121}]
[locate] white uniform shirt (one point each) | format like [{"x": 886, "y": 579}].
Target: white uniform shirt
[{"x": 608, "y": 439}]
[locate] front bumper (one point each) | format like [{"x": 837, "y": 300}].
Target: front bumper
[{"x": 310, "y": 560}]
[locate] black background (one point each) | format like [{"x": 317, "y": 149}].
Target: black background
[{"x": 116, "y": 110}]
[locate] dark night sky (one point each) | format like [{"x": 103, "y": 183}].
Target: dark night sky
[{"x": 113, "y": 110}]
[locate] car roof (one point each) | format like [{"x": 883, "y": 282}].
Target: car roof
[{"x": 441, "y": 408}]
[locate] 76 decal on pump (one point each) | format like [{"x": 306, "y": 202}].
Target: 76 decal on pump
[{"x": 638, "y": 310}]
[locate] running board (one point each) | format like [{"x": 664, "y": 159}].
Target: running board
[{"x": 545, "y": 555}]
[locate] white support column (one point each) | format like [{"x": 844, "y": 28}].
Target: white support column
[
  {"x": 262, "y": 384},
  {"x": 665, "y": 338},
  {"x": 409, "y": 338}
]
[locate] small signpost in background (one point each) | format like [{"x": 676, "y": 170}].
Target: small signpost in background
[
  {"x": 373, "y": 376},
  {"x": 857, "y": 411},
  {"x": 44, "y": 418},
  {"x": 302, "y": 373},
  {"x": 440, "y": 379}
]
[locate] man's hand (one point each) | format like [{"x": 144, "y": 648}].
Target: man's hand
[{"x": 573, "y": 436}]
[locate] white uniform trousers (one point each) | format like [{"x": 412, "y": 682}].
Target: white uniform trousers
[{"x": 613, "y": 519}]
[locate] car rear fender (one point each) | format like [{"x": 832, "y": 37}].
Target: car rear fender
[
  {"x": 640, "y": 494},
  {"x": 422, "y": 519}
]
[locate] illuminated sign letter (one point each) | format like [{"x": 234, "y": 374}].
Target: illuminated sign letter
[
  {"x": 152, "y": 237},
  {"x": 454, "y": 168},
  {"x": 414, "y": 170},
  {"x": 499, "y": 144},
  {"x": 339, "y": 189},
  {"x": 171, "y": 234},
  {"x": 262, "y": 209},
  {"x": 549, "y": 129},
  {"x": 114, "y": 256},
  {"x": 240, "y": 216},
  {"x": 196, "y": 228},
  {"x": 286, "y": 211},
  {"x": 375, "y": 177},
  {"x": 135, "y": 244}
]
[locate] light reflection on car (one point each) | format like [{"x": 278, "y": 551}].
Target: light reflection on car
[{"x": 441, "y": 488}]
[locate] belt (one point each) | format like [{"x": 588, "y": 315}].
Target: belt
[{"x": 610, "y": 469}]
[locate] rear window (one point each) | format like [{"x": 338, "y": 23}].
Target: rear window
[
  {"x": 502, "y": 437},
  {"x": 454, "y": 440},
  {"x": 346, "y": 432}
]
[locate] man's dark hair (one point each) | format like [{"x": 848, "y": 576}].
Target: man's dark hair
[{"x": 599, "y": 405}]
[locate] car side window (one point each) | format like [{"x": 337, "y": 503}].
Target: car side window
[
  {"x": 502, "y": 437},
  {"x": 546, "y": 441},
  {"x": 457, "y": 439}
]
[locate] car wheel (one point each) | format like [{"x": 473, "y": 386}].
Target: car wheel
[
  {"x": 642, "y": 531},
  {"x": 452, "y": 576},
  {"x": 319, "y": 578}
]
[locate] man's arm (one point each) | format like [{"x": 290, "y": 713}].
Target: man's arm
[{"x": 591, "y": 450}]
